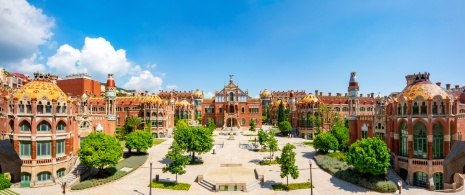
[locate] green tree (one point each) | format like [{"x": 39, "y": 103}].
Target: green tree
[
  {"x": 148, "y": 126},
  {"x": 140, "y": 140},
  {"x": 341, "y": 133},
  {"x": 287, "y": 163},
  {"x": 178, "y": 161},
  {"x": 4, "y": 182},
  {"x": 196, "y": 139},
  {"x": 100, "y": 150},
  {"x": 264, "y": 119},
  {"x": 325, "y": 142},
  {"x": 198, "y": 118},
  {"x": 369, "y": 156},
  {"x": 211, "y": 125},
  {"x": 252, "y": 124},
  {"x": 263, "y": 138},
  {"x": 281, "y": 114},
  {"x": 285, "y": 127},
  {"x": 133, "y": 122},
  {"x": 272, "y": 143},
  {"x": 324, "y": 112},
  {"x": 182, "y": 123}
]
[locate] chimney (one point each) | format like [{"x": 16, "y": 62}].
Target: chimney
[
  {"x": 410, "y": 79},
  {"x": 361, "y": 95},
  {"x": 146, "y": 92},
  {"x": 448, "y": 86},
  {"x": 345, "y": 95},
  {"x": 438, "y": 84},
  {"x": 321, "y": 93},
  {"x": 338, "y": 94},
  {"x": 457, "y": 86},
  {"x": 372, "y": 95},
  {"x": 329, "y": 94},
  {"x": 316, "y": 92},
  {"x": 134, "y": 93}
]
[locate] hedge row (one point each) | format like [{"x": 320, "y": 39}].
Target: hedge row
[
  {"x": 292, "y": 186},
  {"x": 267, "y": 162},
  {"x": 4, "y": 182},
  {"x": 134, "y": 162},
  {"x": 170, "y": 185},
  {"x": 348, "y": 173}
]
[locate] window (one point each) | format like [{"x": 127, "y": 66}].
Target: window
[
  {"x": 24, "y": 126},
  {"x": 405, "y": 109},
  {"x": 48, "y": 108},
  {"x": 415, "y": 108},
  {"x": 40, "y": 108},
  {"x": 424, "y": 109},
  {"x": 21, "y": 107},
  {"x": 63, "y": 109},
  {"x": 44, "y": 176},
  {"x": 61, "y": 173},
  {"x": 338, "y": 109},
  {"x": 420, "y": 141},
  {"x": 61, "y": 126},
  {"x": 220, "y": 110},
  {"x": 462, "y": 111},
  {"x": 243, "y": 109},
  {"x": 243, "y": 122},
  {"x": 101, "y": 109},
  {"x": 438, "y": 183},
  {"x": 231, "y": 96},
  {"x": 43, "y": 148},
  {"x": 403, "y": 129},
  {"x": 220, "y": 122},
  {"x": 435, "y": 108},
  {"x": 420, "y": 179},
  {"x": 126, "y": 108},
  {"x": 231, "y": 109},
  {"x": 44, "y": 126},
  {"x": 58, "y": 108},
  {"x": 399, "y": 110},
  {"x": 345, "y": 109},
  {"x": 25, "y": 177},
  {"x": 362, "y": 109},
  {"x": 94, "y": 109},
  {"x": 364, "y": 134},
  {"x": 25, "y": 148},
  {"x": 28, "y": 107},
  {"x": 438, "y": 141},
  {"x": 60, "y": 144}
]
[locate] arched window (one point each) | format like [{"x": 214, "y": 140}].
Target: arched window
[
  {"x": 44, "y": 126},
  {"x": 405, "y": 109},
  {"x": 40, "y": 108},
  {"x": 154, "y": 114},
  {"x": 44, "y": 176},
  {"x": 63, "y": 109},
  {"x": 420, "y": 179},
  {"x": 48, "y": 108},
  {"x": 28, "y": 107},
  {"x": 231, "y": 96},
  {"x": 338, "y": 109},
  {"x": 424, "y": 109},
  {"x": 21, "y": 107},
  {"x": 438, "y": 183},
  {"x": 24, "y": 126},
  {"x": 435, "y": 108},
  {"x": 415, "y": 108},
  {"x": 61, "y": 126},
  {"x": 399, "y": 110},
  {"x": 94, "y": 109},
  {"x": 438, "y": 141},
  {"x": 58, "y": 108},
  {"x": 231, "y": 109},
  {"x": 25, "y": 177},
  {"x": 420, "y": 141},
  {"x": 61, "y": 172}
]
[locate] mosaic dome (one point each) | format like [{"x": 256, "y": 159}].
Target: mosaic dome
[
  {"x": 310, "y": 98},
  {"x": 183, "y": 103},
  {"x": 277, "y": 102},
  {"x": 198, "y": 94},
  {"x": 425, "y": 89},
  {"x": 41, "y": 88},
  {"x": 265, "y": 93},
  {"x": 152, "y": 99}
]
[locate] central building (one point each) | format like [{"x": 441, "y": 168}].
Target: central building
[{"x": 232, "y": 107}]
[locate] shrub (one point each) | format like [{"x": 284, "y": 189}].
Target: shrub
[
  {"x": 370, "y": 156},
  {"x": 292, "y": 186},
  {"x": 285, "y": 127},
  {"x": 4, "y": 182},
  {"x": 267, "y": 162},
  {"x": 134, "y": 162},
  {"x": 325, "y": 142},
  {"x": 338, "y": 155},
  {"x": 348, "y": 173},
  {"x": 309, "y": 143},
  {"x": 170, "y": 185},
  {"x": 140, "y": 140}
]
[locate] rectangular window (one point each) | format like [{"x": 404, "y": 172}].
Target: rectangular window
[
  {"x": 43, "y": 148},
  {"x": 60, "y": 147},
  {"x": 25, "y": 149},
  {"x": 364, "y": 134}
]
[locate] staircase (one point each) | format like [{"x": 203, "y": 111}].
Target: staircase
[
  {"x": 252, "y": 185},
  {"x": 206, "y": 184},
  {"x": 394, "y": 177},
  {"x": 71, "y": 177}
]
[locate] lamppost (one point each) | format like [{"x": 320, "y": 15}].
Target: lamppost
[
  {"x": 150, "y": 193},
  {"x": 311, "y": 182}
]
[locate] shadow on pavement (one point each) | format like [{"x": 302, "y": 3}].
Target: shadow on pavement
[
  {"x": 309, "y": 155},
  {"x": 346, "y": 186}
]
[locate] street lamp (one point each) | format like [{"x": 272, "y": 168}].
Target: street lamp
[
  {"x": 150, "y": 184},
  {"x": 311, "y": 182}
]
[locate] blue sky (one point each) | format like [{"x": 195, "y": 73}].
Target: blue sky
[{"x": 279, "y": 45}]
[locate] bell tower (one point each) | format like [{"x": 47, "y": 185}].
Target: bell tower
[{"x": 354, "y": 99}]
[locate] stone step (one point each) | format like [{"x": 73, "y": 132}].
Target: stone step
[
  {"x": 207, "y": 185},
  {"x": 253, "y": 185},
  {"x": 7, "y": 192}
]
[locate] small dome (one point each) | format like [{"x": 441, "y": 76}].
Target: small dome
[
  {"x": 379, "y": 96},
  {"x": 265, "y": 93},
  {"x": 152, "y": 99},
  {"x": 198, "y": 94},
  {"x": 424, "y": 88},
  {"x": 39, "y": 88},
  {"x": 277, "y": 102},
  {"x": 310, "y": 98},
  {"x": 183, "y": 103}
]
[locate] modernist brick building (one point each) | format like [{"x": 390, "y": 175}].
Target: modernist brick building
[
  {"x": 79, "y": 84},
  {"x": 419, "y": 125}
]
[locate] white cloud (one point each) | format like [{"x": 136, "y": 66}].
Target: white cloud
[
  {"x": 256, "y": 96},
  {"x": 23, "y": 28},
  {"x": 98, "y": 57},
  {"x": 145, "y": 81},
  {"x": 208, "y": 95},
  {"x": 171, "y": 87},
  {"x": 151, "y": 66},
  {"x": 28, "y": 66}
]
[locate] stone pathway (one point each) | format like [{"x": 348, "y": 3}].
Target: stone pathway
[{"x": 136, "y": 183}]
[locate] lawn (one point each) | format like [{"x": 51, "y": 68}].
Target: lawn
[
  {"x": 292, "y": 186},
  {"x": 309, "y": 143},
  {"x": 170, "y": 185},
  {"x": 267, "y": 162},
  {"x": 158, "y": 141}
]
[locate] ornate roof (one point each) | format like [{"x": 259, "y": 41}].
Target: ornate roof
[
  {"x": 39, "y": 88},
  {"x": 265, "y": 93},
  {"x": 425, "y": 89},
  {"x": 310, "y": 98},
  {"x": 277, "y": 102},
  {"x": 183, "y": 103},
  {"x": 198, "y": 94},
  {"x": 152, "y": 99}
]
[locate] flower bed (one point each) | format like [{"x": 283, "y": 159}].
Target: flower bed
[{"x": 134, "y": 162}]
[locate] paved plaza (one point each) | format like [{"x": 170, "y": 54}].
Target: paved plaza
[{"x": 136, "y": 183}]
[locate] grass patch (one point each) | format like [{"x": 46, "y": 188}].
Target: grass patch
[
  {"x": 267, "y": 162},
  {"x": 253, "y": 141},
  {"x": 341, "y": 170},
  {"x": 133, "y": 161},
  {"x": 292, "y": 186},
  {"x": 338, "y": 155},
  {"x": 309, "y": 143},
  {"x": 250, "y": 135},
  {"x": 261, "y": 150},
  {"x": 158, "y": 141},
  {"x": 170, "y": 185}
]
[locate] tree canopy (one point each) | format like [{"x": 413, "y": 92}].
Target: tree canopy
[
  {"x": 263, "y": 138},
  {"x": 281, "y": 113},
  {"x": 178, "y": 161},
  {"x": 100, "y": 150},
  {"x": 325, "y": 142},
  {"x": 369, "y": 156},
  {"x": 287, "y": 163},
  {"x": 285, "y": 127},
  {"x": 140, "y": 140},
  {"x": 133, "y": 122},
  {"x": 182, "y": 123},
  {"x": 194, "y": 139},
  {"x": 272, "y": 143},
  {"x": 341, "y": 133},
  {"x": 253, "y": 123}
]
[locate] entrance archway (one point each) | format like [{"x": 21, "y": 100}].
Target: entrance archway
[{"x": 231, "y": 122}]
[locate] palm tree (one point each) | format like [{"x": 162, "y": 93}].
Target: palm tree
[{"x": 133, "y": 122}]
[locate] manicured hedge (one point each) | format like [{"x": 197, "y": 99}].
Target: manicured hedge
[
  {"x": 348, "y": 173},
  {"x": 134, "y": 162},
  {"x": 267, "y": 162},
  {"x": 4, "y": 182},
  {"x": 292, "y": 186},
  {"x": 170, "y": 185}
]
